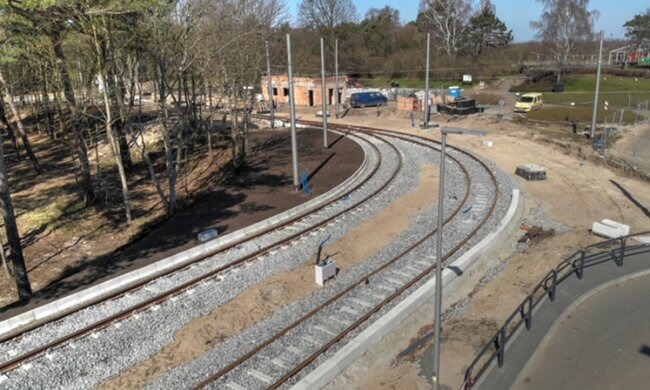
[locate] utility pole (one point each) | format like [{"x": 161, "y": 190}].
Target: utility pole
[
  {"x": 426, "y": 84},
  {"x": 323, "y": 92},
  {"x": 336, "y": 76},
  {"x": 292, "y": 113},
  {"x": 268, "y": 73},
  {"x": 600, "y": 60}
]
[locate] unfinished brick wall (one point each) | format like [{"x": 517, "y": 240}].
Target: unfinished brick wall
[{"x": 307, "y": 89}]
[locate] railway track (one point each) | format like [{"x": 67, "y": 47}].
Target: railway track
[
  {"x": 396, "y": 275},
  {"x": 275, "y": 361},
  {"x": 293, "y": 229}
]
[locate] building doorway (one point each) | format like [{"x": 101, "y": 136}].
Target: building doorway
[{"x": 311, "y": 98}]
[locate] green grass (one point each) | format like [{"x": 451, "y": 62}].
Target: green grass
[
  {"x": 578, "y": 114},
  {"x": 615, "y": 99},
  {"x": 618, "y": 91},
  {"x": 410, "y": 83},
  {"x": 54, "y": 212}
]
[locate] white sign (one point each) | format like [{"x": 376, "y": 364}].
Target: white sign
[{"x": 467, "y": 78}]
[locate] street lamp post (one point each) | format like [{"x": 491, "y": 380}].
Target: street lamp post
[{"x": 441, "y": 193}]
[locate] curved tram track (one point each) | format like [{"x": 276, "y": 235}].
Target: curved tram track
[
  {"x": 279, "y": 358},
  {"x": 290, "y": 231},
  {"x": 358, "y": 299}
]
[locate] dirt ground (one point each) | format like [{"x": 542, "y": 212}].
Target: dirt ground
[
  {"x": 580, "y": 189},
  {"x": 59, "y": 264},
  {"x": 264, "y": 298}
]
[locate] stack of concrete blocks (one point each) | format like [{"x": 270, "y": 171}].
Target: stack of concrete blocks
[
  {"x": 531, "y": 172},
  {"x": 610, "y": 229}
]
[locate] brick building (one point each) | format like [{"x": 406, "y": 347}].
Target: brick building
[{"x": 307, "y": 89}]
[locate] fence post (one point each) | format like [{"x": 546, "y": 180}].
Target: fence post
[
  {"x": 469, "y": 382},
  {"x": 501, "y": 345},
  {"x": 581, "y": 264},
  {"x": 623, "y": 244},
  {"x": 551, "y": 291},
  {"x": 529, "y": 314}
]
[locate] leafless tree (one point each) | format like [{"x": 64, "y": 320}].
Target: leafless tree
[
  {"x": 13, "y": 237},
  {"x": 326, "y": 15},
  {"x": 447, "y": 20},
  {"x": 563, "y": 24}
]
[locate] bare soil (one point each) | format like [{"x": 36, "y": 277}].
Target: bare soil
[
  {"x": 86, "y": 246},
  {"x": 261, "y": 300}
]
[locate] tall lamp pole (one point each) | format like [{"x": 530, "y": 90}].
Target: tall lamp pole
[
  {"x": 592, "y": 133},
  {"x": 438, "y": 300},
  {"x": 336, "y": 77},
  {"x": 270, "y": 85},
  {"x": 426, "y": 84},
  {"x": 323, "y": 92},
  {"x": 292, "y": 112}
]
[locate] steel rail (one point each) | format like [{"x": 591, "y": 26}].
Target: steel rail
[
  {"x": 363, "y": 279},
  {"x": 105, "y": 322},
  {"x": 200, "y": 258}
]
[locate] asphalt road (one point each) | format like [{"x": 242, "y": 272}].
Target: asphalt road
[{"x": 604, "y": 343}]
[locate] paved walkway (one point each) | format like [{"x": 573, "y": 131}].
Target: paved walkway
[
  {"x": 597, "y": 343},
  {"x": 603, "y": 344}
]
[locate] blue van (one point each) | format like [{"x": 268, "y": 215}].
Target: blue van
[{"x": 365, "y": 99}]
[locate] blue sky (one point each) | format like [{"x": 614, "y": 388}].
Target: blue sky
[{"x": 517, "y": 13}]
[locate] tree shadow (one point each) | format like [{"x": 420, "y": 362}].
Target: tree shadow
[{"x": 632, "y": 199}]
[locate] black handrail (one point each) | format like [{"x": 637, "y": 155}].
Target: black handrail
[{"x": 576, "y": 264}]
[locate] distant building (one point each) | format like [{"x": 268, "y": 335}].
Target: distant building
[{"x": 307, "y": 89}]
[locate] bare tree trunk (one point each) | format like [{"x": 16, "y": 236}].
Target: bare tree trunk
[
  {"x": 19, "y": 125},
  {"x": 13, "y": 237},
  {"x": 113, "y": 140},
  {"x": 10, "y": 130},
  {"x": 152, "y": 173},
  {"x": 80, "y": 141},
  {"x": 167, "y": 142}
]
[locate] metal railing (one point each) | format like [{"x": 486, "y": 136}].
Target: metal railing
[{"x": 601, "y": 252}]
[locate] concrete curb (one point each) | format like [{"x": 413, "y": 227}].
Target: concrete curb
[
  {"x": 327, "y": 371},
  {"x": 68, "y": 304}
]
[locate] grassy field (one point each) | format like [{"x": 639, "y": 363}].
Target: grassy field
[
  {"x": 577, "y": 113},
  {"x": 618, "y": 91},
  {"x": 410, "y": 83}
]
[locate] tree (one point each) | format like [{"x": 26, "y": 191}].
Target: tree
[
  {"x": 486, "y": 30},
  {"x": 4, "y": 90},
  {"x": 447, "y": 20},
  {"x": 326, "y": 15},
  {"x": 379, "y": 29},
  {"x": 13, "y": 237},
  {"x": 638, "y": 28},
  {"x": 52, "y": 20},
  {"x": 563, "y": 24}
]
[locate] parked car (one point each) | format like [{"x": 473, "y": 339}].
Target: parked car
[
  {"x": 529, "y": 102},
  {"x": 365, "y": 99}
]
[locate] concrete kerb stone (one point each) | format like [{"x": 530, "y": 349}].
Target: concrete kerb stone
[
  {"x": 327, "y": 371},
  {"x": 66, "y": 305}
]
